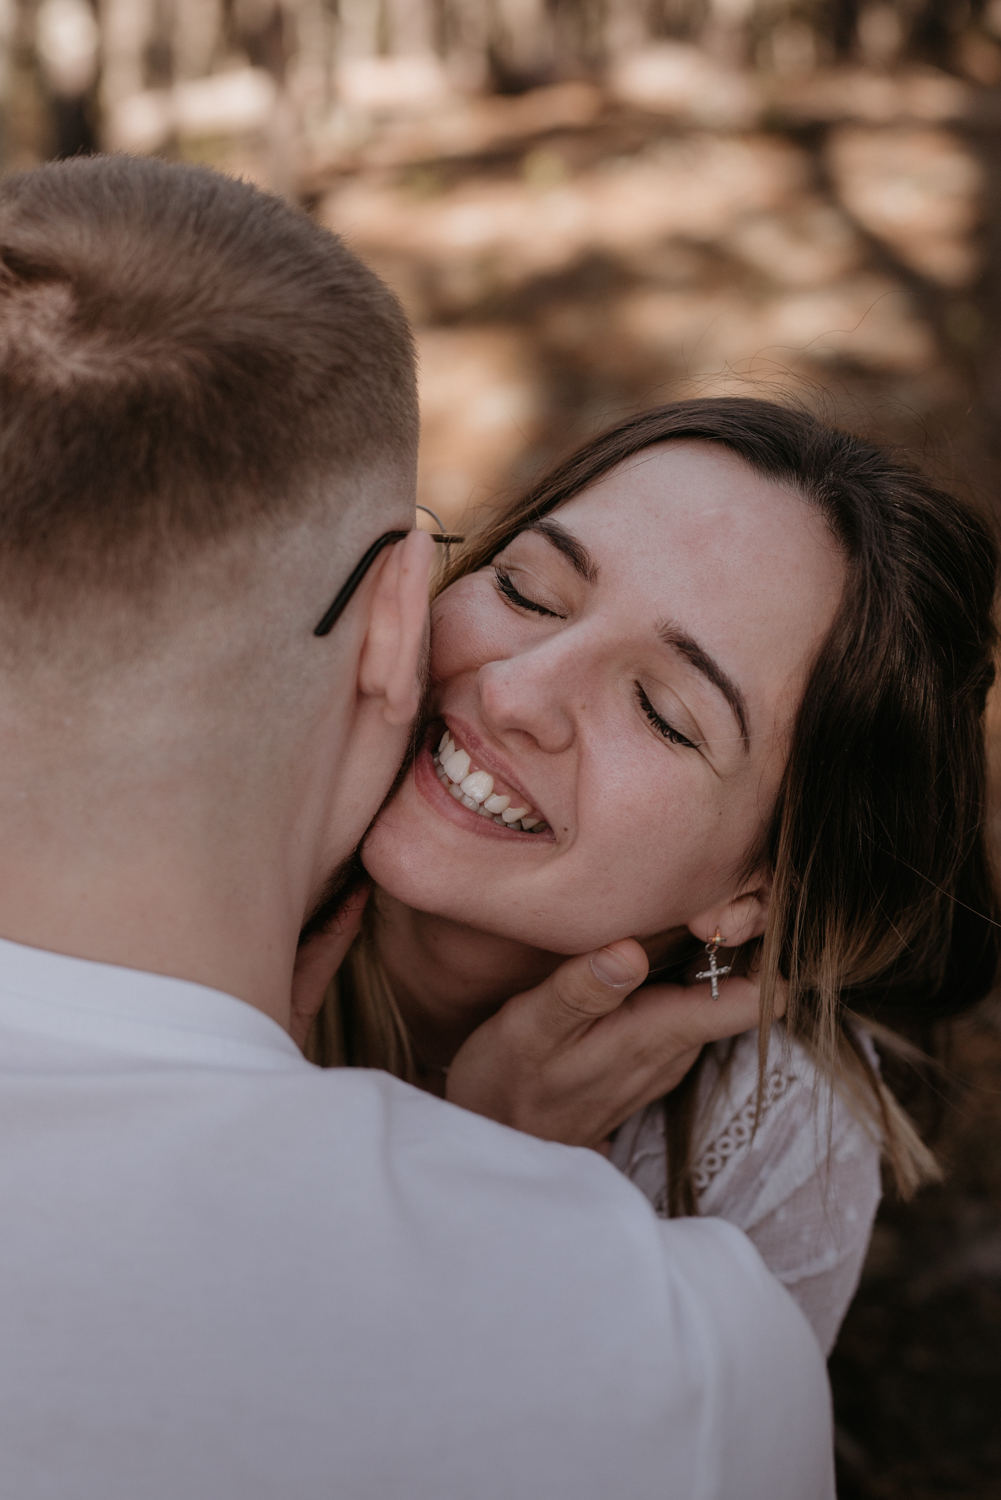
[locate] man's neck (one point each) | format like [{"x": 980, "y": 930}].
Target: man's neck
[
  {"x": 448, "y": 978},
  {"x": 212, "y": 913}
]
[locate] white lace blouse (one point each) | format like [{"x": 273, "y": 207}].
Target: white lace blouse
[{"x": 804, "y": 1186}]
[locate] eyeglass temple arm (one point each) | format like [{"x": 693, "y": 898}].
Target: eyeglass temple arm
[
  {"x": 343, "y": 598},
  {"x": 441, "y": 535},
  {"x": 340, "y": 603}
]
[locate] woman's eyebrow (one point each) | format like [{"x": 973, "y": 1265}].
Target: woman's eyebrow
[
  {"x": 700, "y": 659},
  {"x": 564, "y": 541},
  {"x": 672, "y": 635}
]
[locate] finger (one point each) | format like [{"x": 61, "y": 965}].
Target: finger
[
  {"x": 318, "y": 960},
  {"x": 671, "y": 1015},
  {"x": 581, "y": 991},
  {"x": 740, "y": 1000},
  {"x": 648, "y": 1045},
  {"x": 781, "y": 1000}
]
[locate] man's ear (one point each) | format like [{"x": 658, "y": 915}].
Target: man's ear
[
  {"x": 393, "y": 660},
  {"x": 739, "y": 919}
]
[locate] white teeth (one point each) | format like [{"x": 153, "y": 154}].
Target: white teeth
[
  {"x": 456, "y": 765},
  {"x": 478, "y": 785},
  {"x": 475, "y": 789}
]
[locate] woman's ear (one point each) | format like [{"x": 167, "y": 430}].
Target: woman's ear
[
  {"x": 738, "y": 920},
  {"x": 393, "y": 662}
]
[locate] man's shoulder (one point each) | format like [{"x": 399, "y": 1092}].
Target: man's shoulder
[
  {"x": 363, "y": 1133},
  {"x": 330, "y": 1147},
  {"x": 350, "y": 1116},
  {"x": 684, "y": 1310},
  {"x": 366, "y": 1259}
]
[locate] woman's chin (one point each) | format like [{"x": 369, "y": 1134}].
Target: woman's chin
[
  {"x": 405, "y": 872},
  {"x": 419, "y": 852},
  {"x": 435, "y": 855}
]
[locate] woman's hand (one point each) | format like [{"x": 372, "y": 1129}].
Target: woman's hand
[
  {"x": 572, "y": 1059},
  {"x": 318, "y": 960}
]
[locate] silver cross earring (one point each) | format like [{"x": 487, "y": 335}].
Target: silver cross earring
[{"x": 715, "y": 971}]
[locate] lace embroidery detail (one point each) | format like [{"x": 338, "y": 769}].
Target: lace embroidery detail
[{"x": 737, "y": 1134}]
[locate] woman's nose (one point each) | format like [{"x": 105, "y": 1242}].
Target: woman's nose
[{"x": 528, "y": 694}]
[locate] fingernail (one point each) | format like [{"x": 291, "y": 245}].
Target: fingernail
[{"x": 611, "y": 968}]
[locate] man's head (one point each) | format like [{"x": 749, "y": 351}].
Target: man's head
[
  {"x": 182, "y": 360},
  {"x": 207, "y": 413}
]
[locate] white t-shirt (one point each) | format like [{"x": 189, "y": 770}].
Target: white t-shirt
[{"x": 228, "y": 1275}]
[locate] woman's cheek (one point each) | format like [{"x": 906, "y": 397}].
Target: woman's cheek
[
  {"x": 469, "y": 626},
  {"x": 655, "y": 845}
]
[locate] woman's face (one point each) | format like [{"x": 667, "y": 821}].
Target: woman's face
[{"x": 628, "y": 671}]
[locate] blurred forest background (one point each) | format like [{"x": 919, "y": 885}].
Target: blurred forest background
[{"x": 589, "y": 206}]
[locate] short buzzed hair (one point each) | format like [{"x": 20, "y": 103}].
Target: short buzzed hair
[{"x": 182, "y": 357}]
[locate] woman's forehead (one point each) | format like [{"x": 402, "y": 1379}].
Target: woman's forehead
[
  {"x": 696, "y": 503},
  {"x": 703, "y": 479},
  {"x": 690, "y": 535}
]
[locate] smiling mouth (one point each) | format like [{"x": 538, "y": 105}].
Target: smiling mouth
[{"x": 480, "y": 792}]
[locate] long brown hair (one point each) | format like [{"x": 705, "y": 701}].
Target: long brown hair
[{"x": 883, "y": 899}]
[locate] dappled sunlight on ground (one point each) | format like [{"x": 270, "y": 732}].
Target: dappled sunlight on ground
[{"x": 568, "y": 257}]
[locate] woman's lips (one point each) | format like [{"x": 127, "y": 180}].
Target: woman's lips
[{"x": 443, "y": 789}]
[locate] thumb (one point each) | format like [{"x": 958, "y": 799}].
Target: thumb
[
  {"x": 318, "y": 960},
  {"x": 584, "y": 989}
]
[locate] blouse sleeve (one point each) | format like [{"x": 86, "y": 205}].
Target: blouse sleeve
[{"x": 803, "y": 1185}]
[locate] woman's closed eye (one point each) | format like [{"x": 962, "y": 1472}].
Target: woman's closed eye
[
  {"x": 508, "y": 590},
  {"x": 506, "y": 587},
  {"x": 674, "y": 736}
]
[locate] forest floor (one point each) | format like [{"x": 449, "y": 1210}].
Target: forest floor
[{"x": 917, "y": 1369}]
